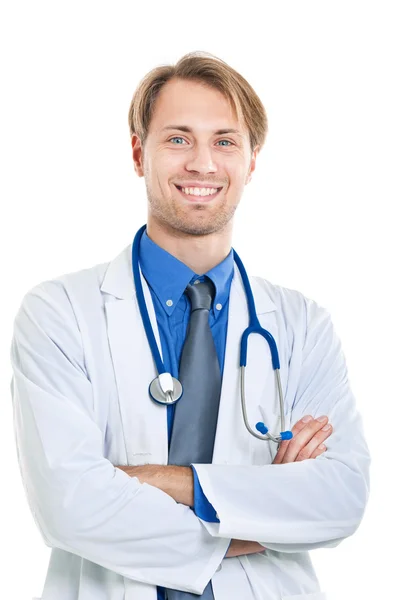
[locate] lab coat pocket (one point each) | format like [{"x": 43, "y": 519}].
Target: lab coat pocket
[{"x": 314, "y": 596}]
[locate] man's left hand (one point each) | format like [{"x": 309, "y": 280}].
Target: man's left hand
[{"x": 307, "y": 441}]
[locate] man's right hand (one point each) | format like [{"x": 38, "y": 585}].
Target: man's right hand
[
  {"x": 308, "y": 435},
  {"x": 241, "y": 547}
]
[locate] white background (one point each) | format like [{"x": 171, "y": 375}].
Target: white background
[{"x": 319, "y": 215}]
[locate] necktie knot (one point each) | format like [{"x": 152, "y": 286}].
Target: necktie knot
[{"x": 201, "y": 294}]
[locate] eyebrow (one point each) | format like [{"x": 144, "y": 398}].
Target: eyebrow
[{"x": 187, "y": 129}]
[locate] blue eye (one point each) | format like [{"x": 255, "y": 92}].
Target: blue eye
[{"x": 177, "y": 137}]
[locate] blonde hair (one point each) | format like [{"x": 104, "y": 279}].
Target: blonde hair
[{"x": 213, "y": 72}]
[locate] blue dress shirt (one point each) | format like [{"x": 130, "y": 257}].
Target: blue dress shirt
[{"x": 168, "y": 278}]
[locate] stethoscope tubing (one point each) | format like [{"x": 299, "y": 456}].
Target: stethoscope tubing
[
  {"x": 254, "y": 327},
  {"x": 142, "y": 303}
]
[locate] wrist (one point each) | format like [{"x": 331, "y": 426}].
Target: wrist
[{"x": 175, "y": 481}]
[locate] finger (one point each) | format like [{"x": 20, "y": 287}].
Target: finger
[
  {"x": 299, "y": 426},
  {"x": 281, "y": 455},
  {"x": 283, "y": 445},
  {"x": 315, "y": 442},
  {"x": 320, "y": 450},
  {"x": 298, "y": 442}
]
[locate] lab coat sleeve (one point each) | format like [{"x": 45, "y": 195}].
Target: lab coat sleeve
[
  {"x": 307, "y": 504},
  {"x": 80, "y": 502}
]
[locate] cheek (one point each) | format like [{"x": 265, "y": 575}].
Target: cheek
[
  {"x": 237, "y": 178},
  {"x": 168, "y": 170}
]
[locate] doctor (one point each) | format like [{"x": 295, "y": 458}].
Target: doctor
[{"x": 108, "y": 472}]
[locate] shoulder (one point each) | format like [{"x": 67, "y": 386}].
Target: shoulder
[
  {"x": 294, "y": 306},
  {"x": 58, "y": 297},
  {"x": 284, "y": 298}
]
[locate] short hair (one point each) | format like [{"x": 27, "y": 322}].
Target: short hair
[{"x": 205, "y": 68}]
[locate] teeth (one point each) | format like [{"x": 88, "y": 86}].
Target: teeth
[{"x": 199, "y": 191}]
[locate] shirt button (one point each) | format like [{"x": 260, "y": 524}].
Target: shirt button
[
  {"x": 196, "y": 282},
  {"x": 169, "y": 303},
  {"x": 219, "y": 567},
  {"x": 218, "y": 306}
]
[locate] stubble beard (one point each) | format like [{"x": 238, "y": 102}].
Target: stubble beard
[{"x": 171, "y": 215}]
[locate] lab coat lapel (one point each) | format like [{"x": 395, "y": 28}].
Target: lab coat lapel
[
  {"x": 233, "y": 443},
  {"x": 144, "y": 422}
]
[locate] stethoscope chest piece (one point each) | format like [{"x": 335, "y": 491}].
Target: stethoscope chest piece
[{"x": 168, "y": 394}]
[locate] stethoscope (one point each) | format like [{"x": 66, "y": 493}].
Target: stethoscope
[{"x": 165, "y": 389}]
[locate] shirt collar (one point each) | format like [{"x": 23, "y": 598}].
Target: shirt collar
[
  {"x": 168, "y": 276},
  {"x": 221, "y": 275}
]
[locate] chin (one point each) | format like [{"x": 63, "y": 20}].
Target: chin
[{"x": 198, "y": 224}]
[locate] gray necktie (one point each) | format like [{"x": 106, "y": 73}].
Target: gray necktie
[{"x": 196, "y": 413}]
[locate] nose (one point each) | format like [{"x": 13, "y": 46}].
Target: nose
[{"x": 201, "y": 160}]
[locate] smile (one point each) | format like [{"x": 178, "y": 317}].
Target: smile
[{"x": 198, "y": 194}]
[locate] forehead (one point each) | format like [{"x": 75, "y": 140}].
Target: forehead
[{"x": 194, "y": 104}]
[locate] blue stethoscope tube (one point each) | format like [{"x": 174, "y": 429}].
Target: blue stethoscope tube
[{"x": 254, "y": 327}]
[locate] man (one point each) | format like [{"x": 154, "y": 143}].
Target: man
[{"x": 140, "y": 500}]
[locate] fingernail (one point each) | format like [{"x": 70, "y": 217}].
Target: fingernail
[
  {"x": 326, "y": 427},
  {"x": 322, "y": 419},
  {"x": 307, "y": 419},
  {"x": 322, "y": 447}
]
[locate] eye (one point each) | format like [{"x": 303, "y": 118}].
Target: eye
[{"x": 176, "y": 137}]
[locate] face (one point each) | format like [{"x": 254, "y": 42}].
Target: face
[{"x": 189, "y": 146}]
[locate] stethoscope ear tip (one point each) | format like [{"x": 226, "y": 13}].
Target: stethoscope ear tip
[
  {"x": 261, "y": 428},
  {"x": 286, "y": 435}
]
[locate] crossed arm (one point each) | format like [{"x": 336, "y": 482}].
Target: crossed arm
[
  {"x": 177, "y": 481},
  {"x": 84, "y": 505}
]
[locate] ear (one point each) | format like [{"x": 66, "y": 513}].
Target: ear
[
  {"x": 137, "y": 155},
  {"x": 252, "y": 164}
]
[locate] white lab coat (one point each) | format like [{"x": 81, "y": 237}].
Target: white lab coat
[{"x": 82, "y": 366}]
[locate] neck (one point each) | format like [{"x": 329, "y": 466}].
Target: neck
[{"x": 199, "y": 252}]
